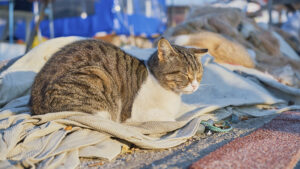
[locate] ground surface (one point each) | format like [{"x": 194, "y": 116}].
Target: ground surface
[
  {"x": 275, "y": 145},
  {"x": 181, "y": 156}
]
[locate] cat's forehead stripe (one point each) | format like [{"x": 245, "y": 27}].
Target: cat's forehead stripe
[
  {"x": 190, "y": 59},
  {"x": 194, "y": 62},
  {"x": 184, "y": 55}
]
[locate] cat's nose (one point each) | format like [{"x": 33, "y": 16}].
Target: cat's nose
[{"x": 194, "y": 86}]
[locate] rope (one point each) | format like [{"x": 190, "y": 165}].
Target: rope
[{"x": 217, "y": 129}]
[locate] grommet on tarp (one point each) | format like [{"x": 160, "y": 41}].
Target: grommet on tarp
[{"x": 222, "y": 126}]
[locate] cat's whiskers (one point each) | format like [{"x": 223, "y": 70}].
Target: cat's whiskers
[{"x": 204, "y": 85}]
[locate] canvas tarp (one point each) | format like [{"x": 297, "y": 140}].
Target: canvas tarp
[{"x": 57, "y": 140}]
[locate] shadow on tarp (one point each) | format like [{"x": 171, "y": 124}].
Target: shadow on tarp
[
  {"x": 9, "y": 63},
  {"x": 11, "y": 88}
]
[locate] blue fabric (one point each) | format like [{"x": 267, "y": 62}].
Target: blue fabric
[
  {"x": 4, "y": 3},
  {"x": 139, "y": 22},
  {"x": 101, "y": 21},
  {"x": 142, "y": 25},
  {"x": 20, "y": 30}
]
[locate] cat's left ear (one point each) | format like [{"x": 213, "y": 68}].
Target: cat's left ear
[
  {"x": 199, "y": 52},
  {"x": 164, "y": 49}
]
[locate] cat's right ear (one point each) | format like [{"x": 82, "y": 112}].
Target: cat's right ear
[
  {"x": 164, "y": 49},
  {"x": 199, "y": 52}
]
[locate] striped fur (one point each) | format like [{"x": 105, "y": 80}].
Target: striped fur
[
  {"x": 96, "y": 77},
  {"x": 177, "y": 66},
  {"x": 88, "y": 76}
]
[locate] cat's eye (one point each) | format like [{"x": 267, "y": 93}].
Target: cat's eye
[
  {"x": 173, "y": 73},
  {"x": 190, "y": 77},
  {"x": 199, "y": 76}
]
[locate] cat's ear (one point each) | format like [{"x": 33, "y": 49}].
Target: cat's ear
[
  {"x": 199, "y": 52},
  {"x": 164, "y": 49}
]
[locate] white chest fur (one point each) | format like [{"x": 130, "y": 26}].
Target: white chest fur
[{"x": 154, "y": 103}]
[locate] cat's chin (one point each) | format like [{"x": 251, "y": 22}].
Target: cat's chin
[{"x": 187, "y": 92}]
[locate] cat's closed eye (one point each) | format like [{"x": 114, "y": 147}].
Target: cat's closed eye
[
  {"x": 175, "y": 77},
  {"x": 190, "y": 77},
  {"x": 173, "y": 72}
]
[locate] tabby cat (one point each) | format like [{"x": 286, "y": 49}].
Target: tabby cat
[
  {"x": 222, "y": 49},
  {"x": 96, "y": 77}
]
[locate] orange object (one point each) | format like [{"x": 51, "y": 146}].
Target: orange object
[
  {"x": 96, "y": 164},
  {"x": 68, "y": 128}
]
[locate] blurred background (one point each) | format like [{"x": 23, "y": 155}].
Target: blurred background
[
  {"x": 146, "y": 19},
  {"x": 87, "y": 18}
]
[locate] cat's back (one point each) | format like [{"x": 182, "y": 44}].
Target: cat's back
[
  {"x": 93, "y": 57},
  {"x": 79, "y": 54}
]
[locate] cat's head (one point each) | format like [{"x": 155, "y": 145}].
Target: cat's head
[{"x": 177, "y": 68}]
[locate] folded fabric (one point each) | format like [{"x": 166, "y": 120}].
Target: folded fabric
[
  {"x": 57, "y": 140},
  {"x": 18, "y": 78},
  {"x": 270, "y": 49}
]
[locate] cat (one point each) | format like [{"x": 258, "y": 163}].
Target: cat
[
  {"x": 222, "y": 49},
  {"x": 122, "y": 40},
  {"x": 98, "y": 78},
  {"x": 231, "y": 23}
]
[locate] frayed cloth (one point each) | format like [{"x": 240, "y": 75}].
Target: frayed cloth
[{"x": 58, "y": 140}]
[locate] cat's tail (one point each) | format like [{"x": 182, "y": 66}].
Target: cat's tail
[{"x": 181, "y": 40}]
